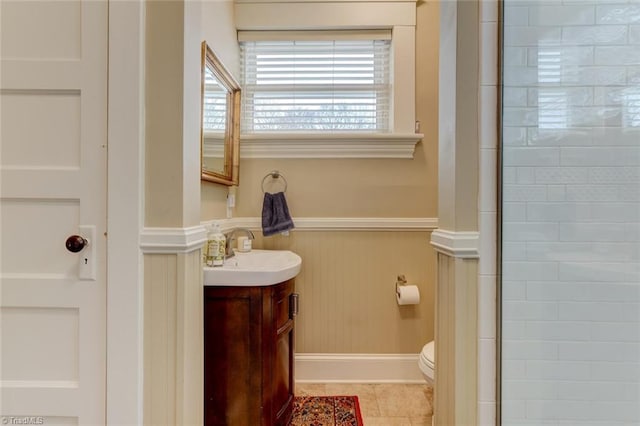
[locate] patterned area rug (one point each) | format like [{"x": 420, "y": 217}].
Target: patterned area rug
[{"x": 326, "y": 411}]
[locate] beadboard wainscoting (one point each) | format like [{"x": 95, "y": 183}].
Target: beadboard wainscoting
[
  {"x": 173, "y": 336},
  {"x": 349, "y": 319}
]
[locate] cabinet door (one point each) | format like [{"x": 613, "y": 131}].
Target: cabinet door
[
  {"x": 232, "y": 356},
  {"x": 282, "y": 378}
]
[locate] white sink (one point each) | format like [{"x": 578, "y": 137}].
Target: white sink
[{"x": 254, "y": 268}]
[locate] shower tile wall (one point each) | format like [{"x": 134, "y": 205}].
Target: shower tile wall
[{"x": 571, "y": 213}]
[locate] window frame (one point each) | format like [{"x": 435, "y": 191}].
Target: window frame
[{"x": 400, "y": 18}]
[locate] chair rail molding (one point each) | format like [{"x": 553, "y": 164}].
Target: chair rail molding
[
  {"x": 463, "y": 244},
  {"x": 172, "y": 240}
]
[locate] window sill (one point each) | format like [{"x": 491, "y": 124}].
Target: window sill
[{"x": 329, "y": 145}]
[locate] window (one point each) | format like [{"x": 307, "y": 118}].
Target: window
[{"x": 316, "y": 81}]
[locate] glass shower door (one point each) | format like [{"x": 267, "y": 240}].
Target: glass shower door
[{"x": 570, "y": 290}]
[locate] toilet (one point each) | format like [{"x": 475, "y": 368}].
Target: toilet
[
  {"x": 426, "y": 362},
  {"x": 427, "y": 365}
]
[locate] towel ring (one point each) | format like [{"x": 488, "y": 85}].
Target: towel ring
[{"x": 274, "y": 174}]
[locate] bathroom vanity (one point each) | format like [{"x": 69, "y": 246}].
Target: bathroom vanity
[{"x": 248, "y": 347}]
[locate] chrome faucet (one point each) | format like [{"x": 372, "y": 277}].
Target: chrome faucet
[{"x": 231, "y": 236}]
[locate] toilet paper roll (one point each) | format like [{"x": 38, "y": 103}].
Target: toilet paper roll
[{"x": 408, "y": 295}]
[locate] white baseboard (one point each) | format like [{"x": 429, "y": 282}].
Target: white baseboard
[{"x": 357, "y": 368}]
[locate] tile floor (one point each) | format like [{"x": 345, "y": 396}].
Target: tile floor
[{"x": 382, "y": 404}]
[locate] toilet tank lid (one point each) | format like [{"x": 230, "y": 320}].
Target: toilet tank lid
[{"x": 428, "y": 351}]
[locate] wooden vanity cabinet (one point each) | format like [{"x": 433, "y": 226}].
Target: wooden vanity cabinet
[{"x": 248, "y": 355}]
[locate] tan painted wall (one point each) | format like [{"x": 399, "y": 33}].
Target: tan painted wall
[
  {"x": 173, "y": 341},
  {"x": 172, "y": 111},
  {"x": 347, "y": 290},
  {"x": 356, "y": 187},
  {"x": 341, "y": 264}
]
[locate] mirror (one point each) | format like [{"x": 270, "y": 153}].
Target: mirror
[{"x": 220, "y": 121}]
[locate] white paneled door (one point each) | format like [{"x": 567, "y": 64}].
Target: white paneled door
[{"x": 53, "y": 129}]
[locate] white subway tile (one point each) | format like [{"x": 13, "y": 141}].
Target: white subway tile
[
  {"x": 514, "y": 136},
  {"x": 530, "y": 231},
  {"x": 533, "y": 156},
  {"x": 593, "y": 76},
  {"x": 529, "y": 311},
  {"x": 571, "y": 55},
  {"x": 620, "y": 175},
  {"x": 515, "y": 251},
  {"x": 598, "y": 391},
  {"x": 595, "y": 35},
  {"x": 598, "y": 311},
  {"x": 633, "y": 76},
  {"x": 487, "y": 307},
  {"x": 524, "y": 350},
  {"x": 514, "y": 15},
  {"x": 557, "y": 175},
  {"x": 600, "y": 156},
  {"x": 530, "y": 36},
  {"x": 528, "y": 389},
  {"x": 513, "y": 330},
  {"x": 557, "y": 370},
  {"x": 508, "y": 175},
  {"x": 526, "y": 176},
  {"x": 600, "y": 272},
  {"x": 514, "y": 56},
  {"x": 557, "y": 330},
  {"x": 520, "y": 76},
  {"x": 488, "y": 196},
  {"x": 569, "y": 410},
  {"x": 489, "y": 53},
  {"x": 487, "y": 370},
  {"x": 616, "y": 372},
  {"x": 521, "y": 193},
  {"x": 594, "y": 116},
  {"x": 617, "y": 55},
  {"x": 609, "y": 136},
  {"x": 514, "y": 290},
  {"x": 634, "y": 34},
  {"x": 614, "y": 292},
  {"x": 562, "y": 15},
  {"x": 560, "y": 97},
  {"x": 603, "y": 193},
  {"x": 609, "y": 96},
  {"x": 582, "y": 252},
  {"x": 488, "y": 117},
  {"x": 525, "y": 271},
  {"x": 488, "y": 244},
  {"x": 520, "y": 116},
  {"x": 556, "y": 193},
  {"x": 615, "y": 332},
  {"x": 613, "y": 232},
  {"x": 514, "y": 97},
  {"x": 514, "y": 370},
  {"x": 555, "y": 212},
  {"x": 558, "y": 137},
  {"x": 596, "y": 351},
  {"x": 618, "y": 14},
  {"x": 556, "y": 291},
  {"x": 513, "y": 410}
]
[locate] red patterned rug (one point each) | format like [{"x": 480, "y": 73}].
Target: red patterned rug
[{"x": 326, "y": 411}]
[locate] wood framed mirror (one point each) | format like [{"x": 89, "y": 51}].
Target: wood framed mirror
[{"x": 220, "y": 121}]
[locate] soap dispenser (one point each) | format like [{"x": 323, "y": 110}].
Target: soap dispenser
[{"x": 216, "y": 246}]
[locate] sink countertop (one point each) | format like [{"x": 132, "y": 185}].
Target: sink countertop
[{"x": 254, "y": 268}]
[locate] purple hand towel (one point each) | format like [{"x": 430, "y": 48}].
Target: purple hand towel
[{"x": 275, "y": 214}]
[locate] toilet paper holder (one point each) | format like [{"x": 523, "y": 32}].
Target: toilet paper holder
[{"x": 400, "y": 281}]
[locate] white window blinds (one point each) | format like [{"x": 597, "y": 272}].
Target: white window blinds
[{"x": 301, "y": 82}]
